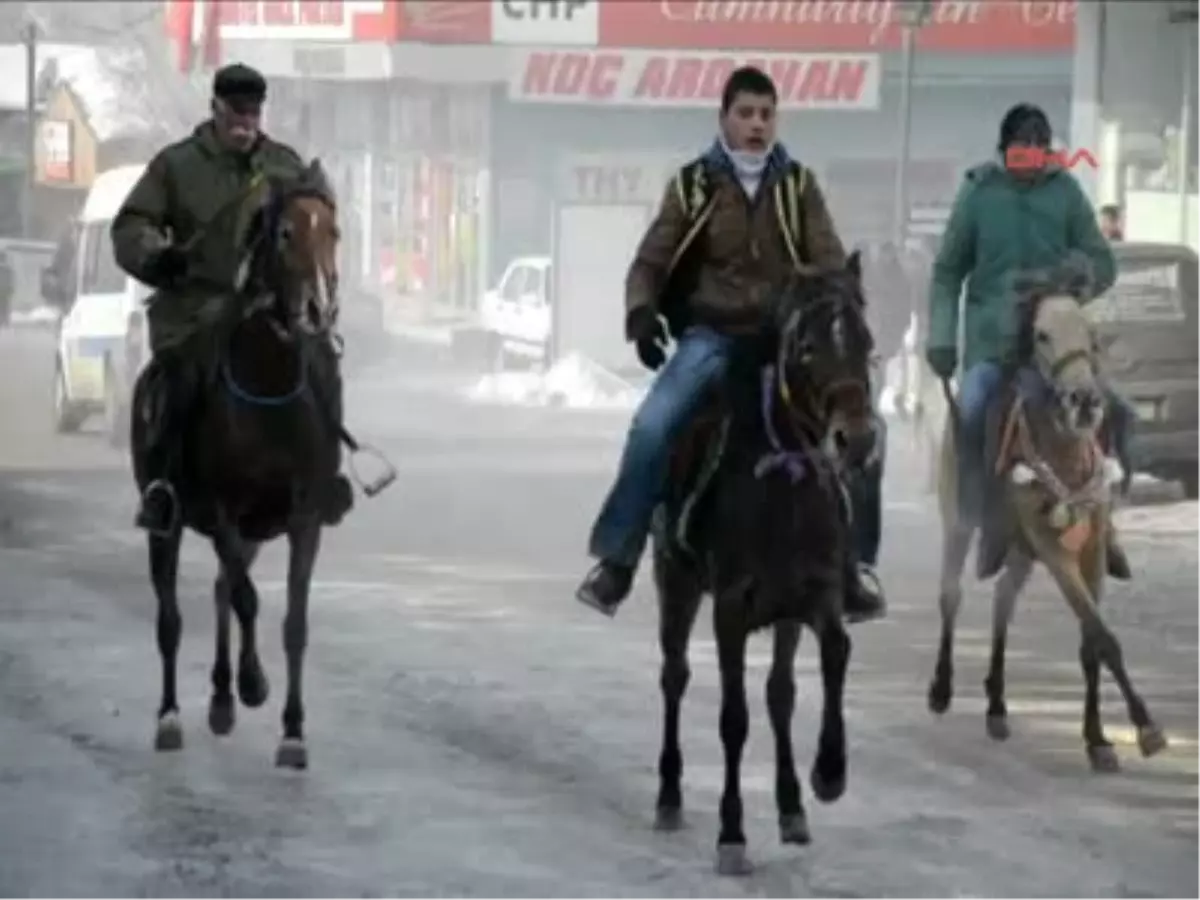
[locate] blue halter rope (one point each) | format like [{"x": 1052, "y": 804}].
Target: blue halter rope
[{"x": 264, "y": 399}]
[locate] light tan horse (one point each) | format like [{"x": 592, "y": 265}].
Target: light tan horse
[{"x": 1057, "y": 487}]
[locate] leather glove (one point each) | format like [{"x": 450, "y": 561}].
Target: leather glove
[
  {"x": 650, "y": 337},
  {"x": 168, "y": 264},
  {"x": 943, "y": 361}
]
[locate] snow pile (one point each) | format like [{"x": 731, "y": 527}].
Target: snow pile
[{"x": 574, "y": 382}]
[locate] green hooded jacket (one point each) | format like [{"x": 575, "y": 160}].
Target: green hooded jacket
[
  {"x": 190, "y": 196},
  {"x": 1000, "y": 226}
]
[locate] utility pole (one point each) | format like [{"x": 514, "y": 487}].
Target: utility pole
[
  {"x": 913, "y": 14},
  {"x": 29, "y": 37}
]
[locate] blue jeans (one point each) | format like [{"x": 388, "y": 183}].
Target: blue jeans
[
  {"x": 699, "y": 361},
  {"x": 623, "y": 527},
  {"x": 866, "y": 501}
]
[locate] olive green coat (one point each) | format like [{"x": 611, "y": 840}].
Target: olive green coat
[{"x": 190, "y": 195}]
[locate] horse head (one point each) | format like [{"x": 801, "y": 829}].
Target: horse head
[
  {"x": 1055, "y": 338},
  {"x": 289, "y": 247},
  {"x": 824, "y": 354}
]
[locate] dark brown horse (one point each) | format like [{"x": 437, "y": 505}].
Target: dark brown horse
[
  {"x": 261, "y": 446},
  {"x": 768, "y": 523}
]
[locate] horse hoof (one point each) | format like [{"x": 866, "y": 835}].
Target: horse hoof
[
  {"x": 997, "y": 727},
  {"x": 253, "y": 687},
  {"x": 292, "y": 754},
  {"x": 221, "y": 715},
  {"x": 1103, "y": 759},
  {"x": 168, "y": 736},
  {"x": 939, "y": 697},
  {"x": 732, "y": 860},
  {"x": 828, "y": 787},
  {"x": 1151, "y": 740},
  {"x": 668, "y": 818},
  {"x": 793, "y": 829}
]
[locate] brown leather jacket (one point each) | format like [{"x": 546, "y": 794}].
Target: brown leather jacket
[{"x": 744, "y": 256}]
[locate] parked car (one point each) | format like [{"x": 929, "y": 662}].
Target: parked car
[
  {"x": 515, "y": 316},
  {"x": 1146, "y": 324},
  {"x": 101, "y": 344}
]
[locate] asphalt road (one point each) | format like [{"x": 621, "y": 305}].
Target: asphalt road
[{"x": 473, "y": 731}]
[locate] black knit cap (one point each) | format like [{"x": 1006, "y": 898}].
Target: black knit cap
[
  {"x": 1025, "y": 122},
  {"x": 237, "y": 83}
]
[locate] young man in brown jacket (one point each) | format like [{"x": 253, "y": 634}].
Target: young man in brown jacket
[{"x": 743, "y": 259}]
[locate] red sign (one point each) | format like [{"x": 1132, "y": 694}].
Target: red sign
[
  {"x": 1024, "y": 159},
  {"x": 445, "y": 21},
  {"x": 351, "y": 21},
  {"x": 646, "y": 78},
  {"x": 998, "y": 26}
]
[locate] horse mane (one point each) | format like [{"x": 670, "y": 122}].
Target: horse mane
[{"x": 1072, "y": 278}]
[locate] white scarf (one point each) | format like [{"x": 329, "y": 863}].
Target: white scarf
[{"x": 748, "y": 165}]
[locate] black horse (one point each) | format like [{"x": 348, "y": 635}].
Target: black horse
[
  {"x": 260, "y": 448},
  {"x": 758, "y": 519}
]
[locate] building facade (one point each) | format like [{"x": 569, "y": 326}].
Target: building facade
[{"x": 455, "y": 127}]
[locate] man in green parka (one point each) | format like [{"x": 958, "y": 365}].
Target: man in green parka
[
  {"x": 1005, "y": 221},
  {"x": 176, "y": 233}
]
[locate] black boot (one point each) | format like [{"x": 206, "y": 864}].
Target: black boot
[
  {"x": 159, "y": 509},
  {"x": 1118, "y": 562},
  {"x": 605, "y": 587},
  {"x": 993, "y": 543},
  {"x": 864, "y": 599},
  {"x": 339, "y": 500}
]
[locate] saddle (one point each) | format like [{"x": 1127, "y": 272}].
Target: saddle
[{"x": 695, "y": 459}]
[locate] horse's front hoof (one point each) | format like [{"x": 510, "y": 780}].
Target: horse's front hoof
[
  {"x": 940, "y": 695},
  {"x": 1151, "y": 740},
  {"x": 168, "y": 735},
  {"x": 292, "y": 754},
  {"x": 732, "y": 860},
  {"x": 793, "y": 829},
  {"x": 253, "y": 687},
  {"x": 221, "y": 715},
  {"x": 1103, "y": 759},
  {"x": 668, "y": 818},
  {"x": 997, "y": 727},
  {"x": 828, "y": 780}
]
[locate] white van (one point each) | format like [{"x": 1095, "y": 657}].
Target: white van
[{"x": 102, "y": 336}]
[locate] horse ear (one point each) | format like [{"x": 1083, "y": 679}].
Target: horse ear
[{"x": 854, "y": 264}]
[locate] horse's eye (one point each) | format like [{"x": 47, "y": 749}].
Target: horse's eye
[{"x": 1041, "y": 337}]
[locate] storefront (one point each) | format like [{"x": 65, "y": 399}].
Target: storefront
[
  {"x": 406, "y": 149},
  {"x": 622, "y": 84}
]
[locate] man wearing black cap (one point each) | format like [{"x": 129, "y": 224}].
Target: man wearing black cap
[{"x": 166, "y": 235}]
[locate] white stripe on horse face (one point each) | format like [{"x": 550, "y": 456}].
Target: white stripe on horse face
[{"x": 839, "y": 336}]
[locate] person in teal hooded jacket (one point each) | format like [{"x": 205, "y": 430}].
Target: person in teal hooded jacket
[{"x": 1004, "y": 222}]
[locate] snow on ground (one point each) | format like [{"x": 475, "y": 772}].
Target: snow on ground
[
  {"x": 575, "y": 382},
  {"x": 1165, "y": 518}
]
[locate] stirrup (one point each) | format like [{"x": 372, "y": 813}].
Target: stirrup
[{"x": 161, "y": 484}]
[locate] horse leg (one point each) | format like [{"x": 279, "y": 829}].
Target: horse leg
[
  {"x": 1012, "y": 580},
  {"x": 221, "y": 713},
  {"x": 304, "y": 540},
  {"x": 164, "y": 572},
  {"x": 781, "y": 704},
  {"x": 729, "y": 624},
  {"x": 679, "y": 594},
  {"x": 828, "y": 776},
  {"x": 956, "y": 542},
  {"x": 236, "y": 557},
  {"x": 1098, "y": 640}
]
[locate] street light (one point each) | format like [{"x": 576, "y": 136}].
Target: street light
[
  {"x": 1185, "y": 14},
  {"x": 913, "y": 14}
]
